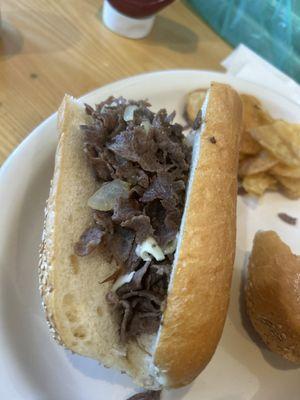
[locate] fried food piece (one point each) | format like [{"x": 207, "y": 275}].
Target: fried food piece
[
  {"x": 253, "y": 116},
  {"x": 290, "y": 187},
  {"x": 257, "y": 184},
  {"x": 194, "y": 103},
  {"x": 262, "y": 162},
  {"x": 285, "y": 171},
  {"x": 282, "y": 139},
  {"x": 273, "y": 293}
]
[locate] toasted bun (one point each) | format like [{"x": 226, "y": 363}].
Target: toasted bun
[
  {"x": 273, "y": 293},
  {"x": 199, "y": 289},
  {"x": 193, "y": 321}
]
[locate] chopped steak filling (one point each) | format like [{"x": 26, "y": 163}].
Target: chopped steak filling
[
  {"x": 149, "y": 395},
  {"x": 141, "y": 162}
]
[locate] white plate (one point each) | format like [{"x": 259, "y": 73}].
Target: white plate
[{"x": 32, "y": 365}]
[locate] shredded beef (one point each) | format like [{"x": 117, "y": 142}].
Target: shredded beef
[
  {"x": 148, "y": 153},
  {"x": 146, "y": 294},
  {"x": 198, "y": 121},
  {"x": 121, "y": 244},
  {"x": 173, "y": 216},
  {"x": 142, "y": 299},
  {"x": 144, "y": 323},
  {"x": 136, "y": 192},
  {"x": 149, "y": 395},
  {"x": 134, "y": 145},
  {"x": 89, "y": 240},
  {"x": 127, "y": 313},
  {"x": 103, "y": 219},
  {"x": 125, "y": 209},
  {"x": 133, "y": 174},
  {"x": 160, "y": 188},
  {"x": 141, "y": 224},
  {"x": 136, "y": 282},
  {"x": 133, "y": 262}
]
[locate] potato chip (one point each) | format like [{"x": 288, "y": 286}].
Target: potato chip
[
  {"x": 194, "y": 103},
  {"x": 260, "y": 163},
  {"x": 248, "y": 145},
  {"x": 290, "y": 187},
  {"x": 257, "y": 184},
  {"x": 253, "y": 116},
  {"x": 242, "y": 156},
  {"x": 285, "y": 170},
  {"x": 281, "y": 139}
]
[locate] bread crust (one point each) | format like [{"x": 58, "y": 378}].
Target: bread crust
[{"x": 199, "y": 294}]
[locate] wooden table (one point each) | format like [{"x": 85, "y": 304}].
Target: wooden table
[{"x": 50, "y": 47}]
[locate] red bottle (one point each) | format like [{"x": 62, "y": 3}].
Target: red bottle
[{"x": 132, "y": 18}]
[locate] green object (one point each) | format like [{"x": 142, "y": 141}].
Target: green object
[{"x": 269, "y": 27}]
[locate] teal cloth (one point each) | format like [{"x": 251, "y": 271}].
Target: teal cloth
[{"x": 269, "y": 27}]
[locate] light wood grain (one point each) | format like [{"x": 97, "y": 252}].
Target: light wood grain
[{"x": 50, "y": 47}]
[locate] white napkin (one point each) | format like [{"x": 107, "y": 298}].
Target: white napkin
[{"x": 245, "y": 64}]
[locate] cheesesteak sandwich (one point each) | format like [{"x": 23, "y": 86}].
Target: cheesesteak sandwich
[{"x": 139, "y": 236}]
